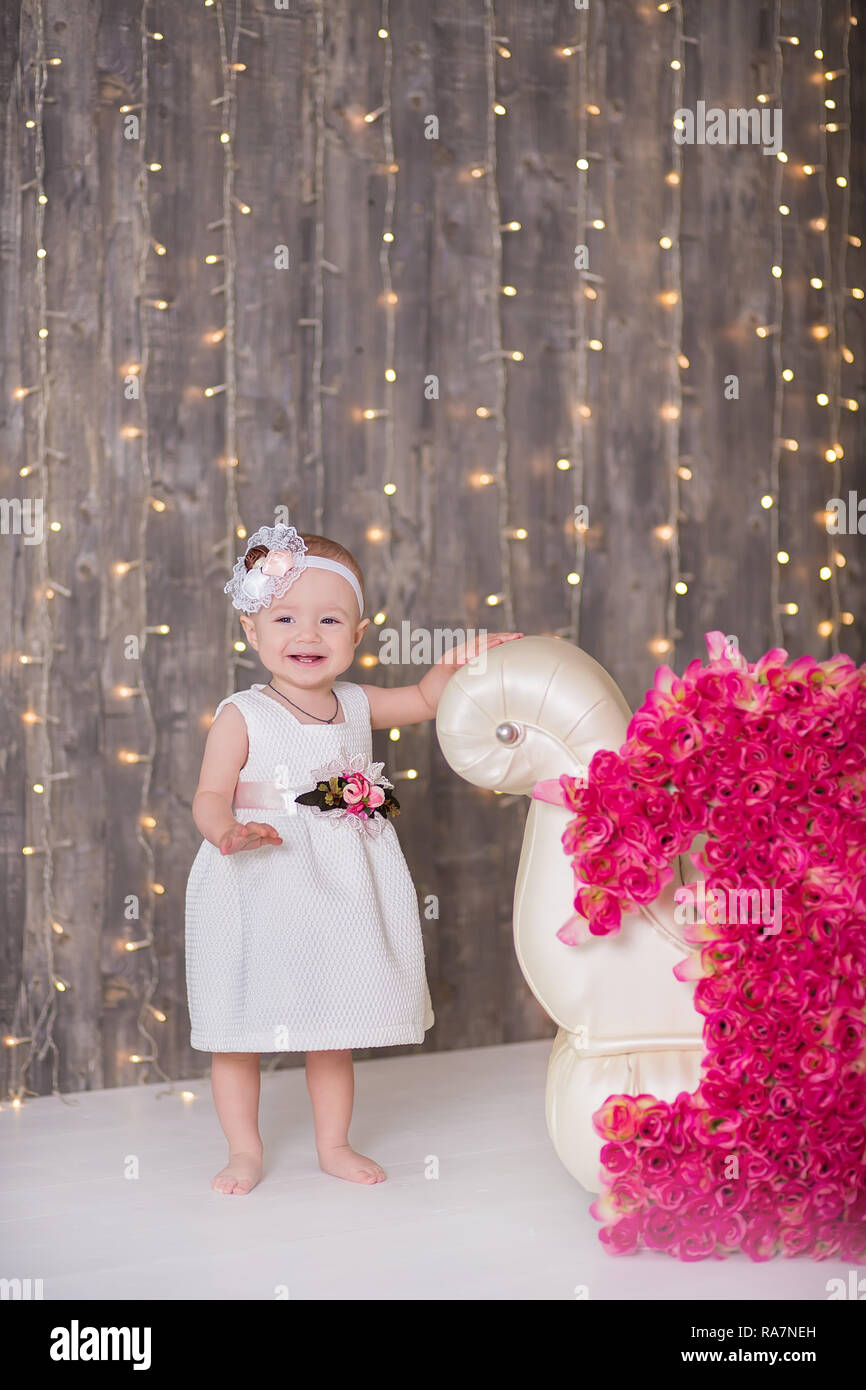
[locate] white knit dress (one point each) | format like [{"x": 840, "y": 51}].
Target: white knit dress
[{"x": 315, "y": 943}]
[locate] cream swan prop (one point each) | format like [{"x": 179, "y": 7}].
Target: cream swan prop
[{"x": 521, "y": 713}]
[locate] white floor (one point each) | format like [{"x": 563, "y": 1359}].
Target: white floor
[{"x": 503, "y": 1220}]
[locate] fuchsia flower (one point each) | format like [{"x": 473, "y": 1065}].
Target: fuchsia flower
[
  {"x": 355, "y": 789},
  {"x": 769, "y": 761}
]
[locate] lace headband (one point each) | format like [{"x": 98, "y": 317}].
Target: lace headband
[{"x": 272, "y": 574}]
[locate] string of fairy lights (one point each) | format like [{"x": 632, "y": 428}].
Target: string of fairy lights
[
  {"x": 675, "y": 360},
  {"x": 138, "y": 371},
  {"x": 225, "y": 291},
  {"x": 836, "y": 277},
  {"x": 33, "y": 1019},
  {"x": 149, "y": 1012},
  {"x": 316, "y": 452},
  {"x": 32, "y": 1036},
  {"x": 831, "y": 283},
  {"x": 774, "y": 481},
  {"x": 581, "y": 411},
  {"x": 391, "y": 169},
  {"x": 499, "y": 354}
]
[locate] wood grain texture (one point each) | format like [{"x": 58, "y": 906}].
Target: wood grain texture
[{"x": 311, "y": 345}]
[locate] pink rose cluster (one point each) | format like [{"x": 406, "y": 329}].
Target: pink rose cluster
[
  {"x": 768, "y": 760},
  {"x": 359, "y": 794}
]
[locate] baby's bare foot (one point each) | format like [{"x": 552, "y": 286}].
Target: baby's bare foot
[
  {"x": 341, "y": 1161},
  {"x": 240, "y": 1174}
]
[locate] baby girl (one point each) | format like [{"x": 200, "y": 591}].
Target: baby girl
[{"x": 302, "y": 924}]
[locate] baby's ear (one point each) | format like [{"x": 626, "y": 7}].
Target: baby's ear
[
  {"x": 361, "y": 629},
  {"x": 249, "y": 628}
]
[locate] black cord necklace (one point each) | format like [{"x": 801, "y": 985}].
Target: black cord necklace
[{"x": 306, "y": 711}]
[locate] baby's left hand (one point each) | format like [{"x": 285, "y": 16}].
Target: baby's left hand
[{"x": 465, "y": 651}]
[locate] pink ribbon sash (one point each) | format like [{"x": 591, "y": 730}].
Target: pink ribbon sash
[{"x": 266, "y": 796}]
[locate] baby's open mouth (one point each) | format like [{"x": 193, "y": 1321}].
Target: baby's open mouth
[{"x": 307, "y": 660}]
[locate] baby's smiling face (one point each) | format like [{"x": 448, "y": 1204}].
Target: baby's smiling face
[{"x": 316, "y": 618}]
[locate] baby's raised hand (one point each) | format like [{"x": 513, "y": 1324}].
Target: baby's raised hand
[
  {"x": 465, "y": 651},
  {"x": 250, "y": 836}
]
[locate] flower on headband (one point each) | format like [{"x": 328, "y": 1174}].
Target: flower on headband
[
  {"x": 348, "y": 790},
  {"x": 272, "y": 574}
]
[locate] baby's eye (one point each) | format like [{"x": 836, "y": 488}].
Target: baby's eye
[{"x": 287, "y": 618}]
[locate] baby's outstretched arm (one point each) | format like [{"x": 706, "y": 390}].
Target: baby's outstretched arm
[
  {"x": 225, "y": 753},
  {"x": 412, "y": 704}
]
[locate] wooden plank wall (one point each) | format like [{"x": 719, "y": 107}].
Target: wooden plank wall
[{"x": 296, "y": 355}]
